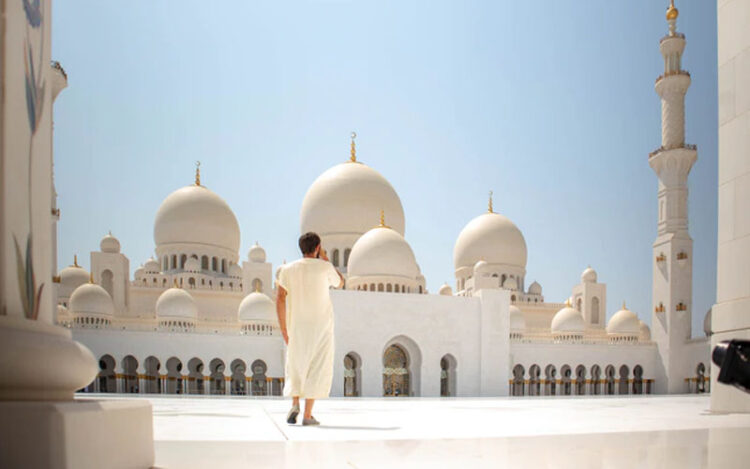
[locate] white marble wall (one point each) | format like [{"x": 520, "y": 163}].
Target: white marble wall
[{"x": 731, "y": 314}]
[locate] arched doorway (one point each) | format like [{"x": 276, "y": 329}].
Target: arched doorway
[
  {"x": 534, "y": 385},
  {"x": 565, "y": 374},
  {"x": 609, "y": 380},
  {"x": 700, "y": 376},
  {"x": 259, "y": 369},
  {"x": 238, "y": 382},
  {"x": 447, "y": 376},
  {"x": 195, "y": 377},
  {"x": 174, "y": 378},
  {"x": 580, "y": 380},
  {"x": 622, "y": 387},
  {"x": 518, "y": 372},
  {"x": 638, "y": 379},
  {"x": 396, "y": 372},
  {"x": 107, "y": 378},
  {"x": 550, "y": 381},
  {"x": 402, "y": 365},
  {"x": 352, "y": 375},
  {"x": 153, "y": 381},
  {"x": 130, "y": 375},
  {"x": 596, "y": 375},
  {"x": 216, "y": 367}
]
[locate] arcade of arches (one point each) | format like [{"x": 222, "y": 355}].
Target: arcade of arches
[{"x": 174, "y": 377}]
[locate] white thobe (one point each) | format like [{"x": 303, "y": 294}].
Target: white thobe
[{"x": 309, "y": 320}]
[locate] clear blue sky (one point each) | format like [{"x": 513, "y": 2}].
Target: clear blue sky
[{"x": 549, "y": 104}]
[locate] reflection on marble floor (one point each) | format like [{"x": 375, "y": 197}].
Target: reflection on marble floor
[{"x": 622, "y": 432}]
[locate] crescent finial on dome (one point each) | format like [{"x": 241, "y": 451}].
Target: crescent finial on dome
[
  {"x": 353, "y": 157},
  {"x": 75, "y": 260},
  {"x": 489, "y": 205},
  {"x": 197, "y": 173},
  {"x": 91, "y": 277}
]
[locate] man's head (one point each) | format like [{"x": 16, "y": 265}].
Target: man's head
[{"x": 309, "y": 244}]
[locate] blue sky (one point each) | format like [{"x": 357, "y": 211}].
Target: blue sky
[{"x": 549, "y": 104}]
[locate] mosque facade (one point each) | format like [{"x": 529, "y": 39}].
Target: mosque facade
[{"x": 198, "y": 319}]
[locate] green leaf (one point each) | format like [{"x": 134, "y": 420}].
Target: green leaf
[
  {"x": 38, "y": 302},
  {"x": 30, "y": 280},
  {"x": 21, "y": 272}
]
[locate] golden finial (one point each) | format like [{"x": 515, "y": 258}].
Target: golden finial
[
  {"x": 91, "y": 277},
  {"x": 567, "y": 303},
  {"x": 197, "y": 173},
  {"x": 382, "y": 220},
  {"x": 489, "y": 205},
  {"x": 672, "y": 12},
  {"x": 175, "y": 283},
  {"x": 75, "y": 260},
  {"x": 257, "y": 287},
  {"x": 353, "y": 157},
  {"x": 623, "y": 305}
]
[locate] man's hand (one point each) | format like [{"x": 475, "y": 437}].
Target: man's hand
[{"x": 324, "y": 254}]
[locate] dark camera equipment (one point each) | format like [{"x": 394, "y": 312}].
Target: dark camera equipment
[{"x": 733, "y": 359}]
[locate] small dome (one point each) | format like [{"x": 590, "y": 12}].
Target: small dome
[
  {"x": 90, "y": 298},
  {"x": 510, "y": 284},
  {"x": 624, "y": 322},
  {"x": 257, "y": 307},
  {"x": 481, "y": 267},
  {"x": 517, "y": 322},
  {"x": 256, "y": 254},
  {"x": 568, "y": 319},
  {"x": 139, "y": 272},
  {"x": 493, "y": 238},
  {"x": 109, "y": 244},
  {"x": 71, "y": 278},
  {"x": 176, "y": 303},
  {"x": 707, "y": 323},
  {"x": 588, "y": 275},
  {"x": 152, "y": 266},
  {"x": 644, "y": 334},
  {"x": 193, "y": 265},
  {"x": 62, "y": 311},
  {"x": 535, "y": 289},
  {"x": 382, "y": 251},
  {"x": 235, "y": 271},
  {"x": 446, "y": 290}
]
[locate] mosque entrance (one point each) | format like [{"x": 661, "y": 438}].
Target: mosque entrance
[{"x": 395, "y": 372}]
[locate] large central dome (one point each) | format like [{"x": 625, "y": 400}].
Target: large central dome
[
  {"x": 196, "y": 215},
  {"x": 490, "y": 237},
  {"x": 347, "y": 198}
]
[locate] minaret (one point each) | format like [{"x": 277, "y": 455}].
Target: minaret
[{"x": 673, "y": 248}]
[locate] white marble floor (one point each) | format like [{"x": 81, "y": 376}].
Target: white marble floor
[{"x": 649, "y": 432}]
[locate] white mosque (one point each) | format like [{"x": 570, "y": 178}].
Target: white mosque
[{"x": 196, "y": 319}]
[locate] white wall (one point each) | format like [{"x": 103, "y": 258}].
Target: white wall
[{"x": 731, "y": 314}]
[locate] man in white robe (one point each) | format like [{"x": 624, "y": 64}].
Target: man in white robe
[{"x": 305, "y": 312}]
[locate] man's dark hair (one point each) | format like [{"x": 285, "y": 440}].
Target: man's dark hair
[{"x": 308, "y": 242}]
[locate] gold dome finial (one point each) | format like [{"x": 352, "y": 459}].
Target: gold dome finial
[
  {"x": 623, "y": 305},
  {"x": 489, "y": 205},
  {"x": 75, "y": 260},
  {"x": 257, "y": 287},
  {"x": 353, "y": 157},
  {"x": 672, "y": 12},
  {"x": 175, "y": 283},
  {"x": 567, "y": 303},
  {"x": 91, "y": 277},
  {"x": 197, "y": 173}
]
